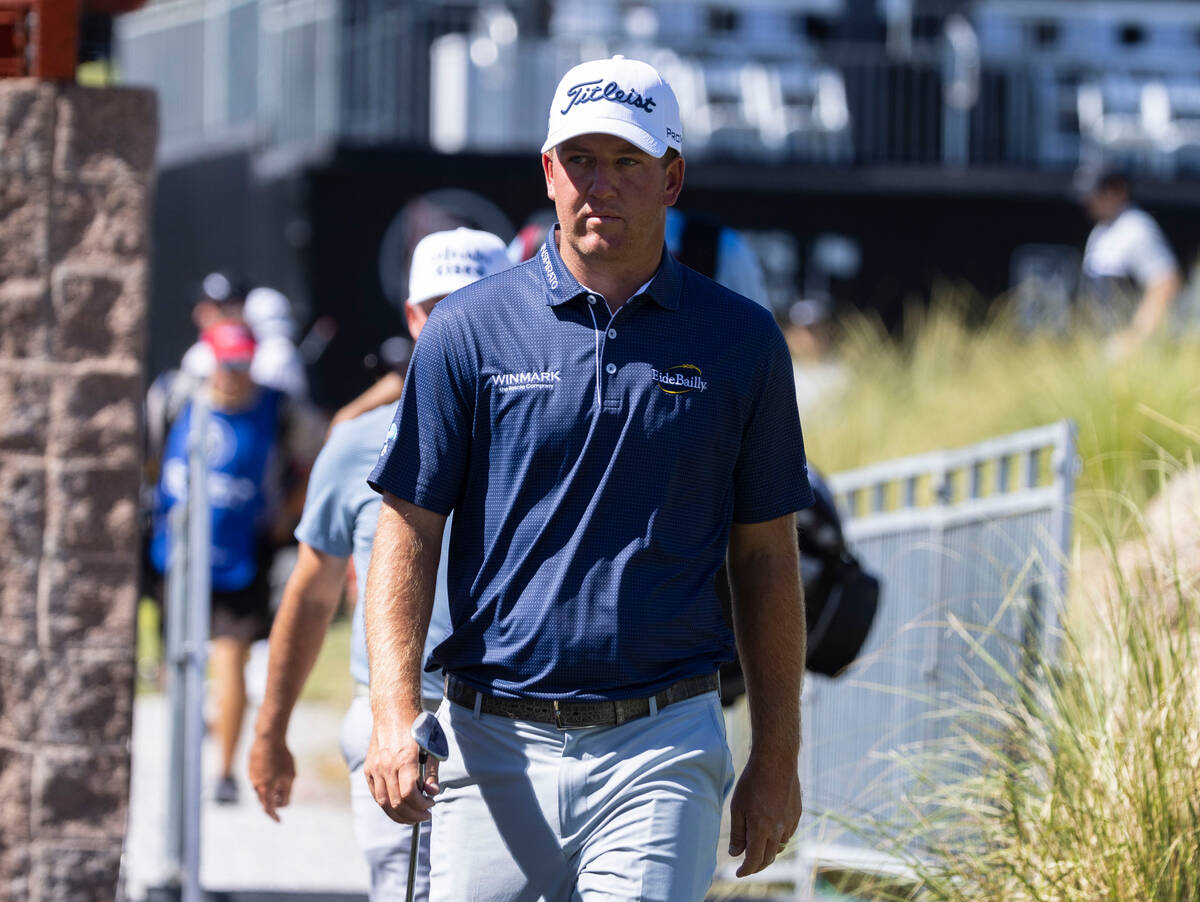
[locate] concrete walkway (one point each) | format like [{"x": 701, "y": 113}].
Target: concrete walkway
[{"x": 312, "y": 851}]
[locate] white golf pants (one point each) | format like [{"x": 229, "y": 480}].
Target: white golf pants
[{"x": 629, "y": 812}]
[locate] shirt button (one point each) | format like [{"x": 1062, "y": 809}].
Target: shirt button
[
  {"x": 612, "y": 333},
  {"x": 591, "y": 299},
  {"x": 611, "y": 368}
]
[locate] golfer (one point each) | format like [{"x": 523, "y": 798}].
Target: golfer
[{"x": 604, "y": 423}]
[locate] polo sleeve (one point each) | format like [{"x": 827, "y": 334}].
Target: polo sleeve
[
  {"x": 1150, "y": 259},
  {"x": 770, "y": 478},
  {"x": 424, "y": 457},
  {"x": 327, "y": 523}
]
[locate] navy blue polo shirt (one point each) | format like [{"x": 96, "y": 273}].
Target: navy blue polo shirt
[{"x": 594, "y": 466}]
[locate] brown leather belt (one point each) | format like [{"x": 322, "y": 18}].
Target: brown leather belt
[{"x": 572, "y": 715}]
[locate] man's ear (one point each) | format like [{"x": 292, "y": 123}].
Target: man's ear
[
  {"x": 674, "y": 182},
  {"x": 548, "y": 163},
  {"x": 414, "y": 319}
]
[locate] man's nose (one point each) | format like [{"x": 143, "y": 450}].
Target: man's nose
[{"x": 603, "y": 181}]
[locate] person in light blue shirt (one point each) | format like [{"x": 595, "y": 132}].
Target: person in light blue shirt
[{"x": 338, "y": 524}]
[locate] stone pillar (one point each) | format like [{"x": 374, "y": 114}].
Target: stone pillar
[{"x": 75, "y": 174}]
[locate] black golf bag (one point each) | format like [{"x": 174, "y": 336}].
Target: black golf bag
[{"x": 841, "y": 598}]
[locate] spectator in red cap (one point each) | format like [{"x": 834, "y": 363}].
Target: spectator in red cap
[{"x": 249, "y": 450}]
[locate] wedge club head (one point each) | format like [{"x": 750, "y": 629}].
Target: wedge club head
[{"x": 429, "y": 735}]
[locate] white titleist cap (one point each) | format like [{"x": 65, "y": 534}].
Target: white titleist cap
[
  {"x": 626, "y": 98},
  {"x": 443, "y": 262}
]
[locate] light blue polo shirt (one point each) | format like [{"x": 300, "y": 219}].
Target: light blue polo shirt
[
  {"x": 594, "y": 467},
  {"x": 340, "y": 515}
]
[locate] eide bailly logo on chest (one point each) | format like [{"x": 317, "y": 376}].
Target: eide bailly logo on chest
[{"x": 678, "y": 380}]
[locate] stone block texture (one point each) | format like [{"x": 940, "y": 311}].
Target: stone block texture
[{"x": 76, "y": 169}]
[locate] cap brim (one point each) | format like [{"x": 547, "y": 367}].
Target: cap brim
[{"x": 598, "y": 125}]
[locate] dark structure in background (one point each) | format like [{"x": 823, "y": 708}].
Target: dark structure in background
[{"x": 939, "y": 137}]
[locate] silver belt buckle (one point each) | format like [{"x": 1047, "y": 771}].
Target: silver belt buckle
[{"x": 558, "y": 721}]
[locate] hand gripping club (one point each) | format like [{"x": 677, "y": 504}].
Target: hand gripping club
[{"x": 430, "y": 738}]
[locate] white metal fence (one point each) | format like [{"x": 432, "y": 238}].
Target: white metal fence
[{"x": 978, "y": 536}]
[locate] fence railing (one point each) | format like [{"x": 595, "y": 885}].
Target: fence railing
[{"x": 976, "y": 537}]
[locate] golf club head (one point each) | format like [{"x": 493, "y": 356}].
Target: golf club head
[{"x": 429, "y": 735}]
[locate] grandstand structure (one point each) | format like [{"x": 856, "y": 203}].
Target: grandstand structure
[{"x": 1030, "y": 84}]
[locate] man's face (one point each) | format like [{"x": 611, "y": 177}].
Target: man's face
[
  {"x": 611, "y": 197},
  {"x": 233, "y": 380},
  {"x": 1104, "y": 204}
]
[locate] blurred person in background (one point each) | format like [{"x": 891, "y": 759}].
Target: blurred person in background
[
  {"x": 277, "y": 363},
  {"x": 1130, "y": 276},
  {"x": 335, "y": 534},
  {"x": 255, "y": 447},
  {"x": 219, "y": 297},
  {"x": 445, "y": 261}
]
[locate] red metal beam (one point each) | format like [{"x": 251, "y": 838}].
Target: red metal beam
[{"x": 39, "y": 38}]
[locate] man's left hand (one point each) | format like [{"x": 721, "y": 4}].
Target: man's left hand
[
  {"x": 272, "y": 772},
  {"x": 765, "y": 810}
]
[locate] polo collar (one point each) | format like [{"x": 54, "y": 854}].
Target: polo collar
[{"x": 561, "y": 286}]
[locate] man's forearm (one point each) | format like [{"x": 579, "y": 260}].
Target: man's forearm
[
  {"x": 309, "y": 602},
  {"x": 399, "y": 603},
  {"x": 768, "y": 612},
  {"x": 1155, "y": 304}
]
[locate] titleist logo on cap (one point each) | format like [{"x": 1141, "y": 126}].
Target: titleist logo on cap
[{"x": 589, "y": 91}]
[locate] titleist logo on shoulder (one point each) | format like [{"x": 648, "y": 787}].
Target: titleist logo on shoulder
[{"x": 589, "y": 91}]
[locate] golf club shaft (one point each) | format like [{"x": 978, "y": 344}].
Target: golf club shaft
[{"x": 414, "y": 848}]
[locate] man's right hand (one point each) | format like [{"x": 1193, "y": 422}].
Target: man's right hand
[
  {"x": 272, "y": 771},
  {"x": 391, "y": 770}
]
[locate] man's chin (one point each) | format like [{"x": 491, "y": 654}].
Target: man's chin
[{"x": 604, "y": 240}]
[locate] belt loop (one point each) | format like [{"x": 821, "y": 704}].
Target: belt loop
[
  {"x": 653, "y": 706},
  {"x": 478, "y": 705}
]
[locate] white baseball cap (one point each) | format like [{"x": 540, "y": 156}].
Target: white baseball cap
[
  {"x": 268, "y": 313},
  {"x": 626, "y": 98},
  {"x": 443, "y": 262}
]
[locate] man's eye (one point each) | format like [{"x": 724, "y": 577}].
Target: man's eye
[
  {"x": 628, "y": 161},
  {"x": 577, "y": 160}
]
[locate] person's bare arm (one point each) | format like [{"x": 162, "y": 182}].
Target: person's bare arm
[
  {"x": 310, "y": 599},
  {"x": 385, "y": 391},
  {"x": 768, "y": 617},
  {"x": 399, "y": 602},
  {"x": 1155, "y": 305}
]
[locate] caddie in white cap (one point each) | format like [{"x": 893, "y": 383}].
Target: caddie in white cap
[
  {"x": 442, "y": 263},
  {"x": 337, "y": 526},
  {"x": 609, "y": 428}
]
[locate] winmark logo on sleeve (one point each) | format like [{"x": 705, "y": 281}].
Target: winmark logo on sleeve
[
  {"x": 680, "y": 379},
  {"x": 507, "y": 382}
]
